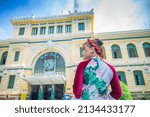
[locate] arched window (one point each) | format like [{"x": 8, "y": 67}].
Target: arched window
[
  {"x": 121, "y": 76},
  {"x": 146, "y": 47},
  {"x": 50, "y": 62},
  {"x": 104, "y": 54},
  {"x": 132, "y": 52},
  {"x": 116, "y": 53},
  {"x": 138, "y": 77},
  {"x": 4, "y": 57}
]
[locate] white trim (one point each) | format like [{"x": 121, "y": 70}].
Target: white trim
[{"x": 45, "y": 79}]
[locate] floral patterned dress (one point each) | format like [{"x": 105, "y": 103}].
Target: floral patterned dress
[{"x": 95, "y": 80}]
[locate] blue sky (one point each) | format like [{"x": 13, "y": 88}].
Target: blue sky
[{"x": 110, "y": 15}]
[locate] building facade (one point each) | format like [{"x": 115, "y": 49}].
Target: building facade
[{"x": 40, "y": 59}]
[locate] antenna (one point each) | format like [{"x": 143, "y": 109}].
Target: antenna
[{"x": 76, "y": 5}]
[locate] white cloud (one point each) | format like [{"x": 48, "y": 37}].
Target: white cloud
[
  {"x": 114, "y": 15},
  {"x": 51, "y": 8}
]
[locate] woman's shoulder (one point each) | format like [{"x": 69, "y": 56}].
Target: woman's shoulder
[
  {"x": 84, "y": 63},
  {"x": 110, "y": 66}
]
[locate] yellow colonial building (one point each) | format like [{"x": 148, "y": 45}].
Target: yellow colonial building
[{"x": 40, "y": 59}]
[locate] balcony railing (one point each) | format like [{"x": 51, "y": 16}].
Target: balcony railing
[{"x": 40, "y": 72}]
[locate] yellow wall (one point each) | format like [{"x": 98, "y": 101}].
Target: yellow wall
[{"x": 68, "y": 46}]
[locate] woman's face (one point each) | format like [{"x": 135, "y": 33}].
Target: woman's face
[{"x": 87, "y": 52}]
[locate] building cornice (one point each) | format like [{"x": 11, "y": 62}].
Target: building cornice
[
  {"x": 124, "y": 32},
  {"x": 124, "y": 38},
  {"x": 47, "y": 19},
  {"x": 120, "y": 35},
  {"x": 44, "y": 39},
  {"x": 134, "y": 65},
  {"x": 123, "y": 35}
]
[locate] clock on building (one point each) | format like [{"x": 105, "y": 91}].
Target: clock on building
[{"x": 49, "y": 65}]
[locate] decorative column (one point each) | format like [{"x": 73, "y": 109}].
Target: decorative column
[
  {"x": 64, "y": 28},
  {"x": 40, "y": 93},
  {"x": 46, "y": 30},
  {"x": 55, "y": 28},
  {"x": 87, "y": 29},
  {"x": 52, "y": 92},
  {"x": 38, "y": 33},
  {"x": 74, "y": 26},
  {"x": 30, "y": 94}
]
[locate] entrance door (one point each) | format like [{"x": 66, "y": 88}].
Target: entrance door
[
  {"x": 54, "y": 92},
  {"x": 47, "y": 92},
  {"x": 59, "y": 91},
  {"x": 47, "y": 89},
  {"x": 34, "y": 92}
]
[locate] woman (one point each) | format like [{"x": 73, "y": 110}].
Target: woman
[{"x": 93, "y": 75}]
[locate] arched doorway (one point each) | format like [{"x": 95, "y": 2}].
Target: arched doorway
[{"x": 48, "y": 65}]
